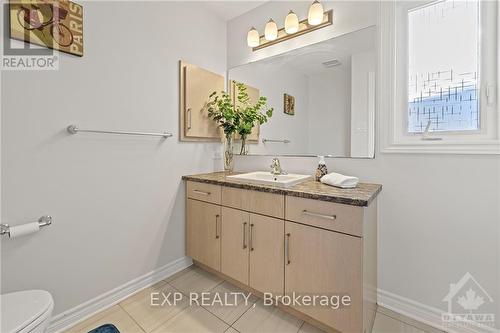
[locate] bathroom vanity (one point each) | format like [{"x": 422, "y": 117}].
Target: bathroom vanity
[{"x": 310, "y": 239}]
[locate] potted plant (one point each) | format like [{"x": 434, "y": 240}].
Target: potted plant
[
  {"x": 222, "y": 111},
  {"x": 249, "y": 115},
  {"x": 239, "y": 118}
]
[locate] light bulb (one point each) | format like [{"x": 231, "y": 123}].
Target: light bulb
[
  {"x": 291, "y": 23},
  {"x": 253, "y": 38},
  {"x": 271, "y": 30},
  {"x": 315, "y": 15}
]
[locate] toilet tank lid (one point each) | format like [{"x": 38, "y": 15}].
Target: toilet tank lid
[{"x": 20, "y": 309}]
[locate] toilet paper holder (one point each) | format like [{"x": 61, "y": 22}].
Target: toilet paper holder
[{"x": 43, "y": 221}]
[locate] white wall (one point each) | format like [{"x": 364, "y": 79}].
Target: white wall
[
  {"x": 363, "y": 69},
  {"x": 330, "y": 112},
  {"x": 117, "y": 201},
  {"x": 272, "y": 82},
  {"x": 438, "y": 215}
]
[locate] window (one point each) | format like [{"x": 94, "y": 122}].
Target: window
[
  {"x": 438, "y": 76},
  {"x": 443, "y": 66}
]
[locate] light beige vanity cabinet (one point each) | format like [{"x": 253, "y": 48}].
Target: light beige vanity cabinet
[
  {"x": 321, "y": 262},
  {"x": 283, "y": 243},
  {"x": 252, "y": 249},
  {"x": 203, "y": 241},
  {"x": 234, "y": 259},
  {"x": 266, "y": 254}
]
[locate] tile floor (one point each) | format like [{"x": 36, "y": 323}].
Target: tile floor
[{"x": 136, "y": 315}]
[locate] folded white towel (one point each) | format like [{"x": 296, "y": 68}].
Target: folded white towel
[{"x": 338, "y": 180}]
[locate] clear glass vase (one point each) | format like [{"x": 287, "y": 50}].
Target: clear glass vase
[
  {"x": 244, "y": 145},
  {"x": 229, "y": 153}
]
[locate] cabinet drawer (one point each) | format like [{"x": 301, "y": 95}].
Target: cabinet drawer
[
  {"x": 254, "y": 201},
  {"x": 327, "y": 215},
  {"x": 204, "y": 192}
]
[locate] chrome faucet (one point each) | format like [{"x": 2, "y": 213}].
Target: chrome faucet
[{"x": 276, "y": 167}]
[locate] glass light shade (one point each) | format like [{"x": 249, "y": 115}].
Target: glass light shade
[
  {"x": 253, "y": 38},
  {"x": 315, "y": 15},
  {"x": 271, "y": 31},
  {"x": 291, "y": 23}
]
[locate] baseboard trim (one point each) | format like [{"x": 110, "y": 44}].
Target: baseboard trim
[
  {"x": 85, "y": 310},
  {"x": 425, "y": 314}
]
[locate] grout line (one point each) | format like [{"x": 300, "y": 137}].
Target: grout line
[
  {"x": 233, "y": 328},
  {"x": 303, "y": 323},
  {"x": 230, "y": 325},
  {"x": 244, "y": 312},
  {"x": 407, "y": 324},
  {"x": 183, "y": 293},
  {"x": 178, "y": 274},
  {"x": 133, "y": 319}
]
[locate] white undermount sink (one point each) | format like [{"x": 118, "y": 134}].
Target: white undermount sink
[{"x": 266, "y": 178}]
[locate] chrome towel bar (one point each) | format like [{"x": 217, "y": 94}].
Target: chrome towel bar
[
  {"x": 271, "y": 140},
  {"x": 43, "y": 221},
  {"x": 73, "y": 129}
]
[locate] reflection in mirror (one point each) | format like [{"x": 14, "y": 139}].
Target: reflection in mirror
[{"x": 323, "y": 97}]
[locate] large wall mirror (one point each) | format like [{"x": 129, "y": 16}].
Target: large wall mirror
[{"x": 323, "y": 97}]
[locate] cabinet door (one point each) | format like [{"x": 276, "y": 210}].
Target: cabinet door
[
  {"x": 196, "y": 86},
  {"x": 234, "y": 246},
  {"x": 321, "y": 262},
  {"x": 203, "y": 232},
  {"x": 266, "y": 254}
]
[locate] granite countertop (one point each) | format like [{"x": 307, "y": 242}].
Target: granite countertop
[{"x": 362, "y": 195}]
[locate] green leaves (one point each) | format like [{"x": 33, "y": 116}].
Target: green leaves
[
  {"x": 221, "y": 110},
  {"x": 250, "y": 114},
  {"x": 239, "y": 118}
]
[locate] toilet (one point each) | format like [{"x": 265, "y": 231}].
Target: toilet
[{"x": 27, "y": 311}]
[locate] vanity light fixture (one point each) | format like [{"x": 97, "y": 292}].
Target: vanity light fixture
[
  {"x": 291, "y": 23},
  {"x": 315, "y": 15},
  {"x": 253, "y": 38},
  {"x": 316, "y": 19},
  {"x": 271, "y": 30}
]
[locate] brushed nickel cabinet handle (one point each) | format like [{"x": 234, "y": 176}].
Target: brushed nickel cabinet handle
[
  {"x": 189, "y": 118},
  {"x": 244, "y": 235},
  {"x": 251, "y": 237},
  {"x": 287, "y": 248},
  {"x": 201, "y": 192},
  {"x": 217, "y": 226},
  {"x": 323, "y": 216}
]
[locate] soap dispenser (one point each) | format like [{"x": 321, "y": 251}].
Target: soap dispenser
[{"x": 322, "y": 170}]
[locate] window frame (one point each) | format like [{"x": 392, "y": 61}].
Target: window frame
[{"x": 393, "y": 83}]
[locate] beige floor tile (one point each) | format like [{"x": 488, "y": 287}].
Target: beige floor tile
[
  {"x": 149, "y": 316},
  {"x": 385, "y": 324},
  {"x": 195, "y": 280},
  {"x": 236, "y": 301},
  {"x": 407, "y": 320},
  {"x": 92, "y": 319},
  {"x": 308, "y": 328},
  {"x": 231, "y": 330},
  {"x": 114, "y": 315},
  {"x": 193, "y": 319},
  {"x": 179, "y": 273},
  {"x": 267, "y": 319}
]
